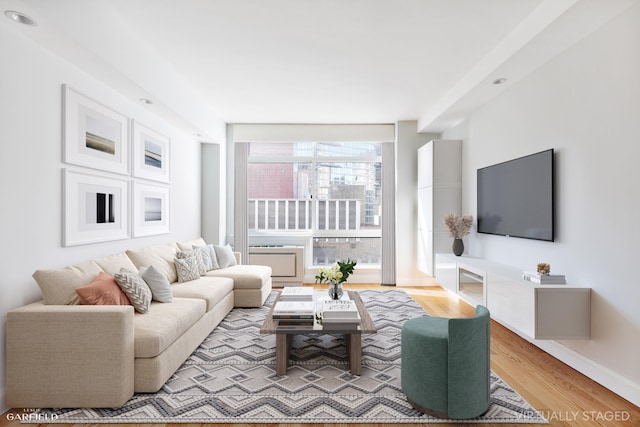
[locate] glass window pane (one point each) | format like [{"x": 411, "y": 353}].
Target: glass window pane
[
  {"x": 349, "y": 195},
  {"x": 365, "y": 250},
  {"x": 348, "y": 149},
  {"x": 280, "y": 149},
  {"x": 278, "y": 194}
]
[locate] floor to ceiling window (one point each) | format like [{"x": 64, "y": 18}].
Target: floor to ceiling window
[{"x": 328, "y": 191}]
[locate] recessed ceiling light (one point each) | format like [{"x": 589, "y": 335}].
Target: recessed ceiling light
[
  {"x": 20, "y": 18},
  {"x": 146, "y": 101},
  {"x": 500, "y": 81}
]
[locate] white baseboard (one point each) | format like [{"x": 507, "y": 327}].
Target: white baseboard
[
  {"x": 417, "y": 281},
  {"x": 615, "y": 382},
  {"x": 601, "y": 374},
  {"x": 604, "y": 376}
]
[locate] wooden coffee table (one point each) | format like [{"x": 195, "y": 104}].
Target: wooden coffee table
[{"x": 353, "y": 337}]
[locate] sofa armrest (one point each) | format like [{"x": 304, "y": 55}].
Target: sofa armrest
[
  {"x": 238, "y": 256},
  {"x": 69, "y": 356}
]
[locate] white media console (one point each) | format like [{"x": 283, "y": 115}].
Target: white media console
[{"x": 541, "y": 312}]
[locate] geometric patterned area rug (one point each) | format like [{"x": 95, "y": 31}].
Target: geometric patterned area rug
[{"x": 231, "y": 378}]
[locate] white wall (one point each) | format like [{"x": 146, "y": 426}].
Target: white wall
[
  {"x": 408, "y": 141},
  {"x": 585, "y": 104},
  {"x": 30, "y": 172}
]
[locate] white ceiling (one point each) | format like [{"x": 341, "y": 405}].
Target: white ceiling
[{"x": 312, "y": 61}]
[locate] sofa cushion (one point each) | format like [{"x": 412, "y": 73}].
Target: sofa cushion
[
  {"x": 158, "y": 283},
  {"x": 160, "y": 256},
  {"x": 136, "y": 289},
  {"x": 114, "y": 263},
  {"x": 156, "y": 331},
  {"x": 103, "y": 290},
  {"x": 59, "y": 286},
  {"x": 244, "y": 276},
  {"x": 187, "y": 246},
  {"x": 210, "y": 289}
]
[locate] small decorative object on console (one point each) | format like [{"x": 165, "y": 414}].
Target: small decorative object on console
[
  {"x": 335, "y": 276},
  {"x": 543, "y": 268},
  {"x": 458, "y": 226}
]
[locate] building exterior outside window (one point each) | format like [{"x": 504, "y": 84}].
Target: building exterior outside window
[{"x": 328, "y": 191}]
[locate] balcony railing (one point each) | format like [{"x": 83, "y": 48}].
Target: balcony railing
[{"x": 296, "y": 214}]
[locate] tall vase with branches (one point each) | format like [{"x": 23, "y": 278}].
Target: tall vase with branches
[{"x": 458, "y": 226}]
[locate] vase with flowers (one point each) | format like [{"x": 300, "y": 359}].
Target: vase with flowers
[
  {"x": 458, "y": 226},
  {"x": 336, "y": 275}
]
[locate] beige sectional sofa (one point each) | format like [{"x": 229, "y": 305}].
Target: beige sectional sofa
[{"x": 62, "y": 354}]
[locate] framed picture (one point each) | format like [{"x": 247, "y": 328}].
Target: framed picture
[
  {"x": 94, "y": 136},
  {"x": 95, "y": 208},
  {"x": 151, "y": 209},
  {"x": 151, "y": 154}
]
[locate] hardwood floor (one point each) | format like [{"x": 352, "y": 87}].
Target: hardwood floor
[{"x": 564, "y": 396}]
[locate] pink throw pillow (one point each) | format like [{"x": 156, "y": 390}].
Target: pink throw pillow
[{"x": 103, "y": 290}]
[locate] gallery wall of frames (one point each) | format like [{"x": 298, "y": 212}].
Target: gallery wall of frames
[{"x": 116, "y": 184}]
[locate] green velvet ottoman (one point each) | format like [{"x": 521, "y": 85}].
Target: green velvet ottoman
[{"x": 445, "y": 365}]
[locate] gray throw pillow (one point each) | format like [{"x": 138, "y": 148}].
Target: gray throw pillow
[
  {"x": 224, "y": 255},
  {"x": 214, "y": 259},
  {"x": 158, "y": 283}
]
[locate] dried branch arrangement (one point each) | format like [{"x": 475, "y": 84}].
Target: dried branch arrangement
[{"x": 458, "y": 226}]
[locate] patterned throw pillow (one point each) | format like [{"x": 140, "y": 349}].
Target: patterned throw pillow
[
  {"x": 158, "y": 283},
  {"x": 187, "y": 268},
  {"x": 136, "y": 289},
  {"x": 198, "y": 258},
  {"x": 224, "y": 255},
  {"x": 204, "y": 254}
]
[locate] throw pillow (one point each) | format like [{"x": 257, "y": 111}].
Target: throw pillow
[
  {"x": 214, "y": 260},
  {"x": 158, "y": 283},
  {"x": 136, "y": 289},
  {"x": 224, "y": 255},
  {"x": 198, "y": 258},
  {"x": 103, "y": 290},
  {"x": 59, "y": 286},
  {"x": 187, "y": 268},
  {"x": 205, "y": 255}
]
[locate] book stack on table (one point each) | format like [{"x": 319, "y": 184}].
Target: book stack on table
[
  {"x": 340, "y": 314},
  {"x": 293, "y": 311},
  {"x": 544, "y": 279},
  {"x": 296, "y": 293}
]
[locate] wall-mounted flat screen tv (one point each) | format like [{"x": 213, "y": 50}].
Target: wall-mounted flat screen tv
[{"x": 515, "y": 198}]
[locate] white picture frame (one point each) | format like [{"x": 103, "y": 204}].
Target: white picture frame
[
  {"x": 94, "y": 136},
  {"x": 95, "y": 208},
  {"x": 151, "y": 209},
  {"x": 151, "y": 154}
]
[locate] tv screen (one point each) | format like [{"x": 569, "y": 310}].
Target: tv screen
[{"x": 515, "y": 198}]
